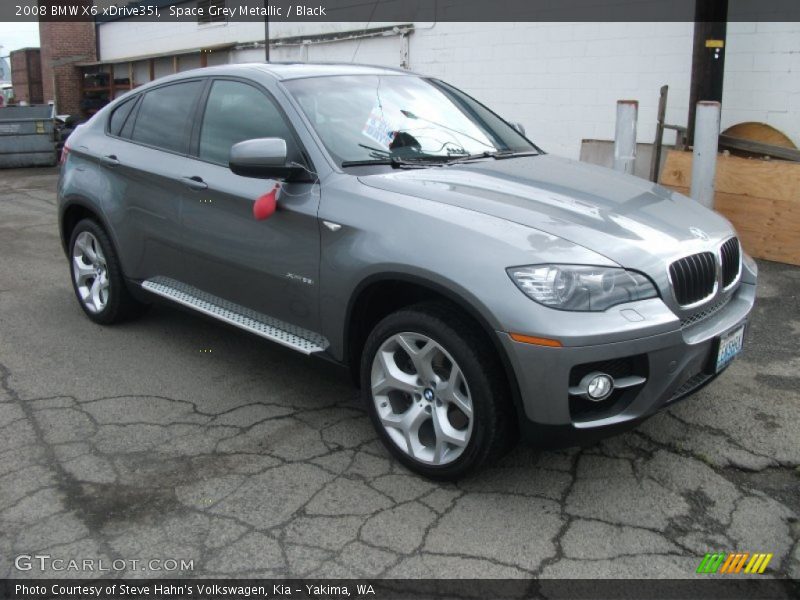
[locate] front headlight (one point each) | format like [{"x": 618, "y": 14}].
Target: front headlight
[{"x": 577, "y": 287}]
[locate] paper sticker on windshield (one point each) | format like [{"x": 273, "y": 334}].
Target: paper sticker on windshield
[{"x": 378, "y": 128}]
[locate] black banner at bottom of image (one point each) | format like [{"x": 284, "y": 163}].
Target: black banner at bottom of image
[{"x": 717, "y": 588}]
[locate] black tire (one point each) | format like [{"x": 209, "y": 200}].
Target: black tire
[
  {"x": 120, "y": 305},
  {"x": 493, "y": 431}
]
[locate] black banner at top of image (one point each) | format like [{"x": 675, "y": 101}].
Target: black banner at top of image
[{"x": 389, "y": 10}]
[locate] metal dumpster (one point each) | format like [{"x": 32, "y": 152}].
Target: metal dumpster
[{"x": 26, "y": 136}]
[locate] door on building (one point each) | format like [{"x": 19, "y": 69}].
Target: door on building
[{"x": 270, "y": 266}]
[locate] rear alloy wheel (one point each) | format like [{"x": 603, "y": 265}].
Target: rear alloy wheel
[
  {"x": 90, "y": 272},
  {"x": 436, "y": 392},
  {"x": 97, "y": 277}
]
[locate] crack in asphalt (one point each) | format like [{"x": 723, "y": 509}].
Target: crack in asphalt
[
  {"x": 66, "y": 483},
  {"x": 75, "y": 490}
]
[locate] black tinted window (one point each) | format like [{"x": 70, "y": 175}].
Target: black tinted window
[
  {"x": 236, "y": 112},
  {"x": 120, "y": 116},
  {"x": 165, "y": 115}
]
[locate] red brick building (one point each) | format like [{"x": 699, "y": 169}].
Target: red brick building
[
  {"x": 26, "y": 75},
  {"x": 63, "y": 44}
]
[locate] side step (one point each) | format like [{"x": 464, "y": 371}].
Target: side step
[{"x": 296, "y": 338}]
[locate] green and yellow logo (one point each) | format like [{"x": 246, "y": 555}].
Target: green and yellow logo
[{"x": 734, "y": 562}]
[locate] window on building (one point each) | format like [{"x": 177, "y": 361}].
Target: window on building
[
  {"x": 209, "y": 15},
  {"x": 236, "y": 112},
  {"x": 165, "y": 116}
]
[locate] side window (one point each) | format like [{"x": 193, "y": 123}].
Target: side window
[
  {"x": 120, "y": 117},
  {"x": 165, "y": 116},
  {"x": 236, "y": 112}
]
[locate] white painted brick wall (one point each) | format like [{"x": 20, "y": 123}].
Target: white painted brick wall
[
  {"x": 130, "y": 37},
  {"x": 125, "y": 38},
  {"x": 561, "y": 80},
  {"x": 762, "y": 76}
]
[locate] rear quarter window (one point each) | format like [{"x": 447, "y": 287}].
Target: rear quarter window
[{"x": 120, "y": 117}]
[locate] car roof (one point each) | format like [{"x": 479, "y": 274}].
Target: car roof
[
  {"x": 296, "y": 70},
  {"x": 293, "y": 70},
  {"x": 282, "y": 71}
]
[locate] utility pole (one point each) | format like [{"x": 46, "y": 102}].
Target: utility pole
[
  {"x": 708, "y": 56},
  {"x": 266, "y": 29}
]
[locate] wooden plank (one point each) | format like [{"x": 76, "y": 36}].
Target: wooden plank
[
  {"x": 767, "y": 213},
  {"x": 677, "y": 171},
  {"x": 735, "y": 175},
  {"x": 768, "y": 228},
  {"x": 760, "y": 148},
  {"x": 759, "y": 132}
]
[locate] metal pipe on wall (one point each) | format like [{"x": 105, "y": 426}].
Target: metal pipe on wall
[
  {"x": 625, "y": 136},
  {"x": 704, "y": 156}
]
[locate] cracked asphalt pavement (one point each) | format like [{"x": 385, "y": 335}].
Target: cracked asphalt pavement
[{"x": 178, "y": 437}]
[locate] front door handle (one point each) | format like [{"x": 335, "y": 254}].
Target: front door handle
[
  {"x": 195, "y": 183},
  {"x": 110, "y": 161}
]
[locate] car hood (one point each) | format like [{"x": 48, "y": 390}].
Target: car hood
[{"x": 629, "y": 220}]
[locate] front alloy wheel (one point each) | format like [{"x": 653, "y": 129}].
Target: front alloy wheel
[
  {"x": 436, "y": 391},
  {"x": 422, "y": 398}
]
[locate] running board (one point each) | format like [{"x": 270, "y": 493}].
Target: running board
[{"x": 296, "y": 338}]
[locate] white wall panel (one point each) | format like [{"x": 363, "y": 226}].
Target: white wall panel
[{"x": 561, "y": 80}]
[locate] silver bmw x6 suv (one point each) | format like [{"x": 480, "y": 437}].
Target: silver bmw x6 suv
[{"x": 478, "y": 289}]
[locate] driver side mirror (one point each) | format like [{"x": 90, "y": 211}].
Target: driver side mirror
[
  {"x": 519, "y": 127},
  {"x": 263, "y": 158}
]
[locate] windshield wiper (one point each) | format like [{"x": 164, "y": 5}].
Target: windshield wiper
[
  {"x": 499, "y": 155},
  {"x": 432, "y": 160},
  {"x": 378, "y": 153},
  {"x": 459, "y": 159},
  {"x": 394, "y": 162}
]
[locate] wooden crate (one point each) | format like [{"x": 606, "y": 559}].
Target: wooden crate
[{"x": 760, "y": 197}]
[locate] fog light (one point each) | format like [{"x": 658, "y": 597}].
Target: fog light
[{"x": 598, "y": 386}]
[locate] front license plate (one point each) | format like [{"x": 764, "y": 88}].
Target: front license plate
[{"x": 730, "y": 345}]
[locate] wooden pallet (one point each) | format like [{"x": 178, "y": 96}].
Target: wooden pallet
[{"x": 760, "y": 197}]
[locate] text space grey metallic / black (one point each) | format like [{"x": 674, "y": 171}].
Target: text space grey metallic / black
[{"x": 478, "y": 288}]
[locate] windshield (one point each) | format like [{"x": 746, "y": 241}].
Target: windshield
[{"x": 366, "y": 118}]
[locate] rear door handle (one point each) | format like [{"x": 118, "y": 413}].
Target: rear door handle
[
  {"x": 195, "y": 183},
  {"x": 110, "y": 161}
]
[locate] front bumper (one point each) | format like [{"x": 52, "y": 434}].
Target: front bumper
[{"x": 675, "y": 364}]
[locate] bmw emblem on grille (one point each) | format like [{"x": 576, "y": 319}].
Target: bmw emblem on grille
[{"x": 699, "y": 233}]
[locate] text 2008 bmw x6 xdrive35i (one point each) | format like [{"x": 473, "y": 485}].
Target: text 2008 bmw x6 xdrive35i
[{"x": 477, "y": 287}]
